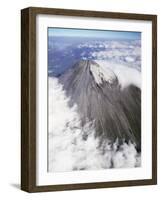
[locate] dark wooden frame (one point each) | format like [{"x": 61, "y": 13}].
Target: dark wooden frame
[{"x": 28, "y": 98}]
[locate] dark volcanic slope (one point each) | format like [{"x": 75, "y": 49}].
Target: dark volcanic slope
[{"x": 116, "y": 111}]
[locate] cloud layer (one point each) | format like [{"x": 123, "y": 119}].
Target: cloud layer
[{"x": 72, "y": 147}]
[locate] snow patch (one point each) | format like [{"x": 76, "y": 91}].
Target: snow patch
[{"x": 102, "y": 74}]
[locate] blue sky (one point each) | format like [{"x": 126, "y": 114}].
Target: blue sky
[{"x": 67, "y": 32}]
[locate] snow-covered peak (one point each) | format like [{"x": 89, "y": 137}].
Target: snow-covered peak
[{"x": 102, "y": 74}]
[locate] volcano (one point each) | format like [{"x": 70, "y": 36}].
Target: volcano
[{"x": 97, "y": 92}]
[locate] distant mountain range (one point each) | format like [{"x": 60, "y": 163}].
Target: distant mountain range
[{"x": 115, "y": 111}]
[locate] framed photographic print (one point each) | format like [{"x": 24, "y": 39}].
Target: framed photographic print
[{"x": 88, "y": 99}]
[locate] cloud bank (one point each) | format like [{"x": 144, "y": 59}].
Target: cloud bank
[{"x": 72, "y": 147}]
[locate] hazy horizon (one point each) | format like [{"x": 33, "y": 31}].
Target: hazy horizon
[{"x": 92, "y": 33}]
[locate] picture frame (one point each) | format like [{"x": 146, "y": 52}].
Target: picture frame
[{"x": 30, "y": 94}]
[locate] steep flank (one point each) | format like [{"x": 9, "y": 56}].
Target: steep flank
[{"x": 116, "y": 112}]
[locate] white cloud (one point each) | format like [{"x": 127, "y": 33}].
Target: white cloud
[
  {"x": 125, "y": 74},
  {"x": 120, "y": 51},
  {"x": 69, "y": 151}
]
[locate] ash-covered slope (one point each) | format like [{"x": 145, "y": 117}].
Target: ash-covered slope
[{"x": 115, "y": 111}]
